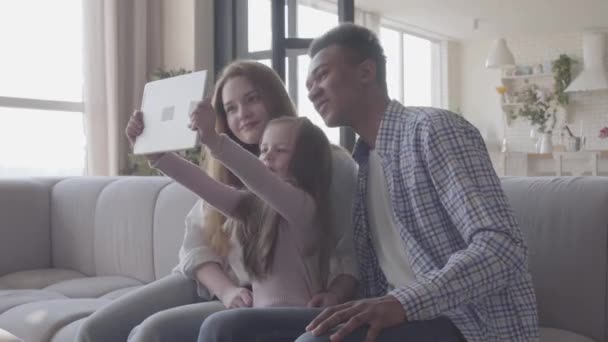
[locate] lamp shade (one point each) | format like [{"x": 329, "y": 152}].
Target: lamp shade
[{"x": 500, "y": 55}]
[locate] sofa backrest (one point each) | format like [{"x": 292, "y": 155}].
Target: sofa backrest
[
  {"x": 24, "y": 224},
  {"x": 565, "y": 223},
  {"x": 133, "y": 226},
  {"x": 129, "y": 226}
]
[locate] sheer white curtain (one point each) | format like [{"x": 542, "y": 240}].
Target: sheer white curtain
[{"x": 122, "y": 45}]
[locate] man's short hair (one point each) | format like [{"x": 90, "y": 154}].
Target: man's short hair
[{"x": 359, "y": 41}]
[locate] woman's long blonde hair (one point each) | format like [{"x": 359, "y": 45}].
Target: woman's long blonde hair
[
  {"x": 310, "y": 169},
  {"x": 278, "y": 104}
]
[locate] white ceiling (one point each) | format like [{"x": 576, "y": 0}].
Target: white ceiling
[{"x": 455, "y": 18}]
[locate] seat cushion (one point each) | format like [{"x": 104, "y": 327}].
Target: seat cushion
[
  {"x": 39, "y": 321},
  {"x": 12, "y": 298},
  {"x": 559, "y": 335},
  {"x": 5, "y": 336},
  {"x": 68, "y": 332},
  {"x": 92, "y": 287},
  {"x": 37, "y": 279}
]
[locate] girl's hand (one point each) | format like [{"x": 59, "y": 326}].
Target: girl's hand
[
  {"x": 237, "y": 297},
  {"x": 202, "y": 120},
  {"x": 135, "y": 127}
]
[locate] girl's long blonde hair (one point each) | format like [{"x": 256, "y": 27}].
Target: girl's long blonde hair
[
  {"x": 277, "y": 102},
  {"x": 310, "y": 169}
]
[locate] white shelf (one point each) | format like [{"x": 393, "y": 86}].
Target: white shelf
[{"x": 523, "y": 77}]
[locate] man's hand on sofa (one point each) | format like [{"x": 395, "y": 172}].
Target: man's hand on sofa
[{"x": 377, "y": 313}]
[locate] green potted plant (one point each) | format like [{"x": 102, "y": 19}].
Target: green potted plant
[{"x": 562, "y": 74}]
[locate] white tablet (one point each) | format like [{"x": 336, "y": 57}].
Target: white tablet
[{"x": 166, "y": 105}]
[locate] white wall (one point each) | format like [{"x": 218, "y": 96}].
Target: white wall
[
  {"x": 481, "y": 104},
  {"x": 479, "y": 101}
]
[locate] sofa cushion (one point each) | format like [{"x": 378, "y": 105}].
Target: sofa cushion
[
  {"x": 124, "y": 225},
  {"x": 12, "y": 298},
  {"x": 37, "y": 279},
  {"x": 5, "y": 336},
  {"x": 40, "y": 320},
  {"x": 67, "y": 333},
  {"x": 172, "y": 206},
  {"x": 73, "y": 230},
  {"x": 24, "y": 225},
  {"x": 564, "y": 221},
  {"x": 92, "y": 287}
]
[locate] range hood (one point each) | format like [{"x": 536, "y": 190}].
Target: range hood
[{"x": 594, "y": 75}]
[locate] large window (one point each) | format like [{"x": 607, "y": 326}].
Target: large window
[
  {"x": 413, "y": 67},
  {"x": 303, "y": 20},
  {"x": 41, "y": 121},
  {"x": 412, "y": 64}
]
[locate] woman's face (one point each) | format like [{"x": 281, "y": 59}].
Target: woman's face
[{"x": 246, "y": 112}]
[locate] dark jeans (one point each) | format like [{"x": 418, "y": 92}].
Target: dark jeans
[{"x": 289, "y": 324}]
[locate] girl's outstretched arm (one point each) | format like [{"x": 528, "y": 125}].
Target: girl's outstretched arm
[
  {"x": 292, "y": 203},
  {"x": 221, "y": 196}
]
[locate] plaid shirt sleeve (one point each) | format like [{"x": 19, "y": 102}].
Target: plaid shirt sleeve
[{"x": 461, "y": 173}]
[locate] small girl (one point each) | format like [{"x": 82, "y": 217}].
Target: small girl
[{"x": 279, "y": 220}]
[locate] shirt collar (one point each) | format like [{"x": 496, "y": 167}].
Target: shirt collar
[
  {"x": 384, "y": 138},
  {"x": 361, "y": 149}
]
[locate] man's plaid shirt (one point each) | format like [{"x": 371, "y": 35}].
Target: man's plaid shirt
[{"x": 465, "y": 247}]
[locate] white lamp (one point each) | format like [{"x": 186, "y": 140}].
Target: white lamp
[{"x": 500, "y": 55}]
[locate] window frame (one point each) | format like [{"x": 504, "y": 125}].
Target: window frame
[
  {"x": 33, "y": 103},
  {"x": 439, "y": 86}
]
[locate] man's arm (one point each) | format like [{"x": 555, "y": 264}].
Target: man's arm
[{"x": 464, "y": 180}]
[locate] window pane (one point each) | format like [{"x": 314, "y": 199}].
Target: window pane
[
  {"x": 416, "y": 71},
  {"x": 259, "y": 25},
  {"x": 390, "y": 42},
  {"x": 313, "y": 22},
  {"x": 305, "y": 107},
  {"x": 266, "y": 62},
  {"x": 41, "y": 49},
  {"x": 41, "y": 143},
  {"x": 259, "y": 18}
]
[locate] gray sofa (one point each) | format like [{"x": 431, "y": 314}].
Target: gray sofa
[{"x": 70, "y": 246}]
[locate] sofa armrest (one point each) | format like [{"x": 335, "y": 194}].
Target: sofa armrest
[{"x": 25, "y": 240}]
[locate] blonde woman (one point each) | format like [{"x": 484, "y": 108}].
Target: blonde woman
[{"x": 247, "y": 96}]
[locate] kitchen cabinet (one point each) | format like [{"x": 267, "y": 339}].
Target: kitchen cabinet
[{"x": 582, "y": 163}]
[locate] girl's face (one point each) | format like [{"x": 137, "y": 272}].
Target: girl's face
[
  {"x": 277, "y": 147},
  {"x": 246, "y": 113}
]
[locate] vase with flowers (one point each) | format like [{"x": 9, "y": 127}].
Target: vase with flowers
[{"x": 540, "y": 106}]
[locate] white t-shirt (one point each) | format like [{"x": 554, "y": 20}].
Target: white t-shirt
[{"x": 388, "y": 245}]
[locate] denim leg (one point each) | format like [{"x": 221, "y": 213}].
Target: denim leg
[
  {"x": 437, "y": 330},
  {"x": 256, "y": 324}
]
